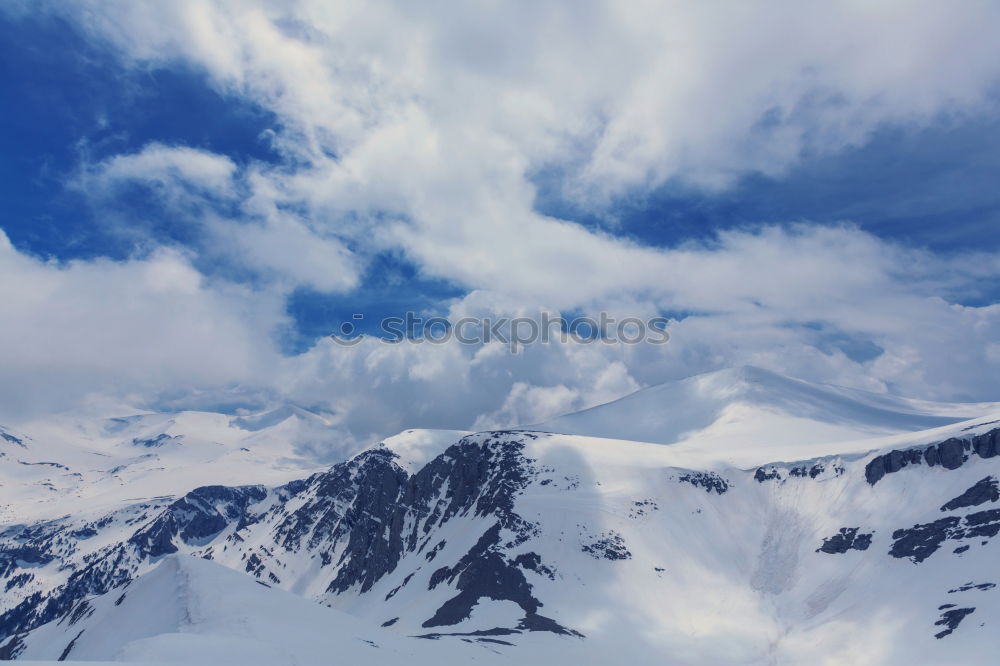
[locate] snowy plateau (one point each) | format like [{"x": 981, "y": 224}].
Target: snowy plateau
[{"x": 738, "y": 517}]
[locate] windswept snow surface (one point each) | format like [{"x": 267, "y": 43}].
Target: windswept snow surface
[
  {"x": 746, "y": 407},
  {"x": 53, "y": 467},
  {"x": 552, "y": 548},
  {"x": 191, "y": 610}
]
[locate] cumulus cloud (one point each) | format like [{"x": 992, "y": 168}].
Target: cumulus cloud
[
  {"x": 129, "y": 329},
  {"x": 418, "y": 130},
  {"x": 433, "y": 119},
  {"x": 148, "y": 330},
  {"x": 174, "y": 170},
  {"x": 199, "y": 190}
]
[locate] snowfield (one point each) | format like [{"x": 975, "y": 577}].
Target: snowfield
[
  {"x": 188, "y": 609},
  {"x": 763, "y": 520},
  {"x": 62, "y": 465},
  {"x": 747, "y": 407}
]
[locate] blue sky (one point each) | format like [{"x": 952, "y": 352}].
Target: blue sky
[
  {"x": 933, "y": 187},
  {"x": 816, "y": 194},
  {"x": 74, "y": 101},
  {"x": 78, "y": 102}
]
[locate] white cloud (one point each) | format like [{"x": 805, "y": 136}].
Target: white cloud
[
  {"x": 145, "y": 329},
  {"x": 416, "y": 129},
  {"x": 196, "y": 187},
  {"x": 125, "y": 328},
  {"x": 527, "y": 404},
  {"x": 171, "y": 168}
]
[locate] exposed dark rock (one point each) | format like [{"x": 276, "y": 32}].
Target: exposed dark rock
[
  {"x": 973, "y": 586},
  {"x": 6, "y": 436},
  {"x": 85, "y": 532},
  {"x": 983, "y": 517},
  {"x": 152, "y": 442},
  {"x": 951, "y": 619},
  {"x": 19, "y": 580},
  {"x": 642, "y": 507},
  {"x": 12, "y": 648},
  {"x": 533, "y": 562},
  {"x": 611, "y": 546},
  {"x": 495, "y": 641},
  {"x": 921, "y": 541},
  {"x": 983, "y": 491},
  {"x": 978, "y": 425},
  {"x": 477, "y": 478},
  {"x": 710, "y": 481},
  {"x": 497, "y": 631},
  {"x": 535, "y": 622},
  {"x": 33, "y": 551},
  {"x": 950, "y": 454},
  {"x": 188, "y": 519},
  {"x": 396, "y": 589},
  {"x": 811, "y": 472},
  {"x": 761, "y": 476},
  {"x": 44, "y": 464},
  {"x": 254, "y": 565},
  {"x": 484, "y": 572},
  {"x": 987, "y": 445},
  {"x": 847, "y": 539},
  {"x": 434, "y": 551},
  {"x": 891, "y": 462},
  {"x": 202, "y": 513},
  {"x": 69, "y": 648},
  {"x": 81, "y": 611}
]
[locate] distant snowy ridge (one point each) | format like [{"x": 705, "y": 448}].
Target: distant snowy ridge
[
  {"x": 748, "y": 406},
  {"x": 64, "y": 464}
]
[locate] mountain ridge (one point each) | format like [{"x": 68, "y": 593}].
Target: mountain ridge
[
  {"x": 560, "y": 548},
  {"x": 757, "y": 406}
]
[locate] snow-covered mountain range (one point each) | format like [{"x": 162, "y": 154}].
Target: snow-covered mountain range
[{"x": 735, "y": 517}]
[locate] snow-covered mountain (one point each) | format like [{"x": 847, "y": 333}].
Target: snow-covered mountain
[
  {"x": 557, "y": 548},
  {"x": 749, "y": 407},
  {"x": 55, "y": 466},
  {"x": 193, "y": 610}
]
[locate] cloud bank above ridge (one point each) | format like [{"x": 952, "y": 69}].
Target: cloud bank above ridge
[{"x": 420, "y": 133}]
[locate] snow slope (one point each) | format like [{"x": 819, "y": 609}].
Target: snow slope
[
  {"x": 51, "y": 467},
  {"x": 195, "y": 611},
  {"x": 745, "y": 407}
]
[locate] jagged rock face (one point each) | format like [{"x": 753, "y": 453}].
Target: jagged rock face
[
  {"x": 360, "y": 518},
  {"x": 370, "y": 512},
  {"x": 983, "y": 491},
  {"x": 950, "y": 454},
  {"x": 847, "y": 539},
  {"x": 188, "y": 521}
]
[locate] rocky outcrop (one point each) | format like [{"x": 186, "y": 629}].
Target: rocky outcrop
[
  {"x": 360, "y": 518},
  {"x": 845, "y": 540},
  {"x": 952, "y": 453},
  {"x": 983, "y": 491}
]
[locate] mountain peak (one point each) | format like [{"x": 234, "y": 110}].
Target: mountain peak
[{"x": 748, "y": 405}]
